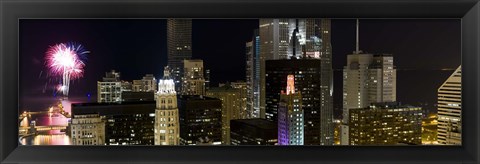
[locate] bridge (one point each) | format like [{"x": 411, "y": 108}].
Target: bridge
[
  {"x": 52, "y": 110},
  {"x": 32, "y": 129}
]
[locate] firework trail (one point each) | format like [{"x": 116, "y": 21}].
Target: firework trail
[{"x": 67, "y": 61}]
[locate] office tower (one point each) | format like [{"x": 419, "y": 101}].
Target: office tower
[
  {"x": 110, "y": 88},
  {"x": 253, "y": 76},
  {"x": 232, "y": 106},
  {"x": 179, "y": 47},
  {"x": 254, "y": 131},
  {"x": 87, "y": 129},
  {"x": 200, "y": 120},
  {"x": 290, "y": 115},
  {"x": 242, "y": 87},
  {"x": 193, "y": 79},
  {"x": 318, "y": 113},
  {"x": 147, "y": 84},
  {"x": 126, "y": 123},
  {"x": 450, "y": 110},
  {"x": 367, "y": 79},
  {"x": 167, "y": 125},
  {"x": 385, "y": 124},
  {"x": 293, "y": 38}
]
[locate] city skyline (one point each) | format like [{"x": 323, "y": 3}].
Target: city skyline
[{"x": 138, "y": 50}]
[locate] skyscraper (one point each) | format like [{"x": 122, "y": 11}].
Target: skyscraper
[
  {"x": 232, "y": 106},
  {"x": 290, "y": 116},
  {"x": 450, "y": 110},
  {"x": 297, "y": 38},
  {"x": 179, "y": 47},
  {"x": 318, "y": 119},
  {"x": 253, "y": 76},
  {"x": 193, "y": 78},
  {"x": 367, "y": 79},
  {"x": 167, "y": 127}
]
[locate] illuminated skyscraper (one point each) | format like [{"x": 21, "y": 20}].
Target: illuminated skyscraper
[
  {"x": 179, "y": 47},
  {"x": 367, "y": 79},
  {"x": 167, "y": 127},
  {"x": 294, "y": 38},
  {"x": 290, "y": 116},
  {"x": 318, "y": 114},
  {"x": 193, "y": 78},
  {"x": 253, "y": 76},
  {"x": 450, "y": 110},
  {"x": 232, "y": 106}
]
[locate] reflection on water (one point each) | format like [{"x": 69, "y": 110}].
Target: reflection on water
[{"x": 47, "y": 139}]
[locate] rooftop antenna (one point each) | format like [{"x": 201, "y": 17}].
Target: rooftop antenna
[{"x": 357, "y": 51}]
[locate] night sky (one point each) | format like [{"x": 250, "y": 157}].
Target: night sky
[{"x": 135, "y": 47}]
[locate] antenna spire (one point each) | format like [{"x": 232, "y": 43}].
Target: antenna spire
[{"x": 357, "y": 51}]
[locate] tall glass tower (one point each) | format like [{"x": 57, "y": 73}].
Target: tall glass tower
[{"x": 179, "y": 47}]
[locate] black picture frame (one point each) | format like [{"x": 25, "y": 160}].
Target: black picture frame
[{"x": 13, "y": 10}]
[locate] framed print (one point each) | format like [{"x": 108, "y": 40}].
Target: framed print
[{"x": 239, "y": 81}]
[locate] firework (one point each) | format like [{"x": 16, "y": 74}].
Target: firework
[{"x": 67, "y": 61}]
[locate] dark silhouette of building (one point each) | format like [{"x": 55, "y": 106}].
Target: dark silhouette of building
[
  {"x": 254, "y": 131},
  {"x": 200, "y": 120},
  {"x": 316, "y": 97}
]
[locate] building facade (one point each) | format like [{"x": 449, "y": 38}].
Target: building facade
[
  {"x": 254, "y": 131},
  {"x": 179, "y": 47},
  {"x": 87, "y": 129},
  {"x": 167, "y": 126},
  {"x": 318, "y": 112},
  {"x": 385, "y": 124},
  {"x": 147, "y": 84},
  {"x": 200, "y": 120},
  {"x": 294, "y": 38},
  {"x": 367, "y": 79},
  {"x": 232, "y": 106},
  {"x": 193, "y": 79},
  {"x": 110, "y": 88},
  {"x": 290, "y": 116},
  {"x": 450, "y": 110},
  {"x": 126, "y": 123},
  {"x": 252, "y": 49},
  {"x": 243, "y": 88}
]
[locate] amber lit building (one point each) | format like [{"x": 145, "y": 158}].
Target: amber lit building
[
  {"x": 450, "y": 110},
  {"x": 232, "y": 106},
  {"x": 385, "y": 124}
]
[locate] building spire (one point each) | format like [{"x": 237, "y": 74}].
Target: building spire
[
  {"x": 290, "y": 84},
  {"x": 357, "y": 51}
]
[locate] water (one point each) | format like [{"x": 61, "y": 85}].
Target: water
[{"x": 52, "y": 137}]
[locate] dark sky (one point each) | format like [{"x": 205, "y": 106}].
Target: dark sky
[{"x": 137, "y": 47}]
